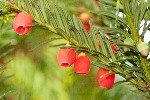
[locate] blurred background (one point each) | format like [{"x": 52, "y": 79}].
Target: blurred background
[{"x": 29, "y": 68}]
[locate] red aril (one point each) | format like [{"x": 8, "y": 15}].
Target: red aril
[
  {"x": 114, "y": 47},
  {"x": 66, "y": 57},
  {"x": 22, "y": 23},
  {"x": 82, "y": 65},
  {"x": 87, "y": 26},
  {"x": 105, "y": 78}
]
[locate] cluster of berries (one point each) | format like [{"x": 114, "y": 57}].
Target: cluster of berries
[
  {"x": 67, "y": 57},
  {"x": 23, "y": 23}
]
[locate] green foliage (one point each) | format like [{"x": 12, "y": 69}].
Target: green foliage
[
  {"x": 54, "y": 20},
  {"x": 64, "y": 25}
]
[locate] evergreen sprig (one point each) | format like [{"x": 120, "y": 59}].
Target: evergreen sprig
[{"x": 131, "y": 65}]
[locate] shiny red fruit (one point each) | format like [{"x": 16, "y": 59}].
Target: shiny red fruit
[
  {"x": 66, "y": 57},
  {"x": 22, "y": 23},
  {"x": 87, "y": 26},
  {"x": 105, "y": 80},
  {"x": 82, "y": 65}
]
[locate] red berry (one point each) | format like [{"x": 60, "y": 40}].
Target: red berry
[
  {"x": 22, "y": 23},
  {"x": 87, "y": 26},
  {"x": 82, "y": 65},
  {"x": 114, "y": 47},
  {"x": 66, "y": 57},
  {"x": 105, "y": 80}
]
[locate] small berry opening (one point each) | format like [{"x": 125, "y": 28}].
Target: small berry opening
[
  {"x": 81, "y": 73},
  {"x": 20, "y": 29},
  {"x": 65, "y": 64}
]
